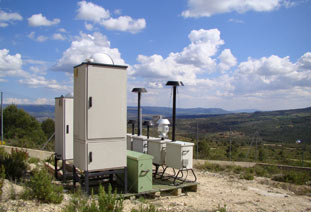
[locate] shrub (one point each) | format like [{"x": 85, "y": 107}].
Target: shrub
[
  {"x": 298, "y": 178},
  {"x": 40, "y": 187},
  {"x": 107, "y": 202},
  {"x": 2, "y": 176},
  {"x": 148, "y": 208},
  {"x": 15, "y": 163}
]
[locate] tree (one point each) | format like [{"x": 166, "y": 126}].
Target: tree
[
  {"x": 21, "y": 128},
  {"x": 48, "y": 127}
]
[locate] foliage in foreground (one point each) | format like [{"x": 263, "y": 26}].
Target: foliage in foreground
[
  {"x": 15, "y": 164},
  {"x": 40, "y": 187},
  {"x": 107, "y": 202},
  {"x": 2, "y": 176}
]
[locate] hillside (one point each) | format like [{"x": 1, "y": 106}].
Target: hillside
[{"x": 274, "y": 126}]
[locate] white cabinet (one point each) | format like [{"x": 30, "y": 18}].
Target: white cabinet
[
  {"x": 64, "y": 127},
  {"x": 179, "y": 155},
  {"x": 100, "y": 116},
  {"x": 157, "y": 148},
  {"x": 129, "y": 142},
  {"x": 140, "y": 143}
]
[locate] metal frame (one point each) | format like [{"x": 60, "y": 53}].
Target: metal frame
[
  {"x": 86, "y": 176},
  {"x": 63, "y": 168}
]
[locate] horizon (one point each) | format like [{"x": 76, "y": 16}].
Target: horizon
[{"x": 229, "y": 54}]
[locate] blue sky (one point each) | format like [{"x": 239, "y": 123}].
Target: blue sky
[{"x": 230, "y": 54}]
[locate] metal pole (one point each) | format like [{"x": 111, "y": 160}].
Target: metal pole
[
  {"x": 138, "y": 115},
  {"x": 1, "y": 117},
  {"x": 174, "y": 113}
]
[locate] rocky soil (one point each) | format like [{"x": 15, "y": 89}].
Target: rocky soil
[{"x": 214, "y": 191}]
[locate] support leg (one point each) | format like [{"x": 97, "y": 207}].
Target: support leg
[
  {"x": 64, "y": 170},
  {"x": 55, "y": 166},
  {"x": 74, "y": 176},
  {"x": 86, "y": 182},
  {"x": 125, "y": 180}
]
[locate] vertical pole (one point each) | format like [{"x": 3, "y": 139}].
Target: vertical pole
[
  {"x": 138, "y": 115},
  {"x": 197, "y": 140},
  {"x": 1, "y": 117},
  {"x": 148, "y": 131},
  {"x": 133, "y": 128},
  {"x": 174, "y": 112}
]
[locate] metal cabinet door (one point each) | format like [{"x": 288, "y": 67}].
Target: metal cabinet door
[
  {"x": 107, "y": 102},
  {"x": 68, "y": 129},
  {"x": 80, "y": 102}
]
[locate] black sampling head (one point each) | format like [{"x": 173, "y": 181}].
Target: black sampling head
[
  {"x": 148, "y": 123},
  {"x": 175, "y": 83},
  {"x": 139, "y": 90}
]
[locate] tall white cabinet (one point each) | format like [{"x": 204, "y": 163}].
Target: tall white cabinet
[
  {"x": 100, "y": 112},
  {"x": 64, "y": 127}
]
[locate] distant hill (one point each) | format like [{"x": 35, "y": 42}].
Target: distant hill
[{"x": 42, "y": 112}]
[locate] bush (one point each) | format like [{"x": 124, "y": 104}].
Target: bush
[
  {"x": 2, "y": 176},
  {"x": 298, "y": 178},
  {"x": 15, "y": 163},
  {"x": 40, "y": 187},
  {"x": 148, "y": 208},
  {"x": 107, "y": 202}
]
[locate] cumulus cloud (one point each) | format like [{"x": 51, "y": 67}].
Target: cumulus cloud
[
  {"x": 89, "y": 11},
  {"x": 124, "y": 23},
  {"x": 196, "y": 58},
  {"x": 40, "y": 20},
  {"x": 10, "y": 65},
  {"x": 214, "y": 78},
  {"x": 227, "y": 60},
  {"x": 207, "y": 8},
  {"x": 6, "y": 18},
  {"x": 272, "y": 74},
  {"x": 87, "y": 46}
]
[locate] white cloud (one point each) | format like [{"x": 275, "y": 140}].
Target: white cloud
[
  {"x": 91, "y": 12},
  {"x": 36, "y": 81},
  {"x": 196, "y": 58},
  {"x": 62, "y": 30},
  {"x": 265, "y": 83},
  {"x": 41, "y": 38},
  {"x": 207, "y": 8},
  {"x": 10, "y": 65},
  {"x": 39, "y": 20},
  {"x": 256, "y": 76},
  {"x": 89, "y": 26},
  {"x": 124, "y": 23},
  {"x": 58, "y": 36},
  {"x": 86, "y": 46},
  {"x": 227, "y": 60},
  {"x": 88, "y": 11},
  {"x": 6, "y": 18},
  {"x": 38, "y": 101}
]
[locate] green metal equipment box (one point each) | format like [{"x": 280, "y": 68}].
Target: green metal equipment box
[{"x": 139, "y": 170}]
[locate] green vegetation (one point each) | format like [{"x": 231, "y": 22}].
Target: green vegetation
[
  {"x": 147, "y": 208},
  {"x": 15, "y": 164},
  {"x": 48, "y": 127},
  {"x": 106, "y": 202},
  {"x": 21, "y": 129},
  {"x": 2, "y": 177},
  {"x": 298, "y": 177},
  {"x": 40, "y": 187}
]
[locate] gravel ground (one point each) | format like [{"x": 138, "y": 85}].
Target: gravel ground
[{"x": 214, "y": 190}]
